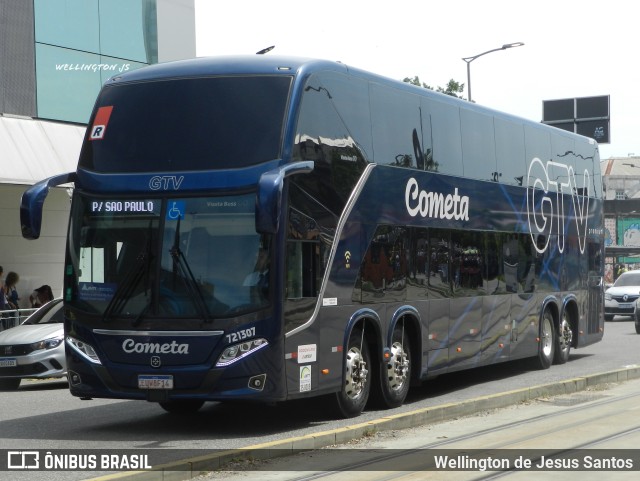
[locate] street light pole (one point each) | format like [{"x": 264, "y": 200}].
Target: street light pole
[{"x": 471, "y": 59}]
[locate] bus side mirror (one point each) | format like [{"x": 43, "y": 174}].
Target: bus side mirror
[
  {"x": 33, "y": 201},
  {"x": 269, "y": 195}
]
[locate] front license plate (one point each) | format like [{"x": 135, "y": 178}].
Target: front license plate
[
  {"x": 625, "y": 305},
  {"x": 155, "y": 382},
  {"x": 8, "y": 362}
]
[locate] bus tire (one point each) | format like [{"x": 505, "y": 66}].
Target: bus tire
[
  {"x": 395, "y": 374},
  {"x": 546, "y": 344},
  {"x": 353, "y": 396},
  {"x": 563, "y": 340},
  {"x": 182, "y": 406}
]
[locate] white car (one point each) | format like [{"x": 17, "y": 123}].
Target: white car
[
  {"x": 35, "y": 348},
  {"x": 621, "y": 299}
]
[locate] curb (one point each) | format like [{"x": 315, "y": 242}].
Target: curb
[{"x": 191, "y": 467}]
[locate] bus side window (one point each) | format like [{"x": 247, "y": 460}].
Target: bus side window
[
  {"x": 304, "y": 269},
  {"x": 303, "y": 273},
  {"x": 439, "y": 279},
  {"x": 384, "y": 267}
]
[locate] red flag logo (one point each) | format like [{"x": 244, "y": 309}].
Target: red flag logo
[{"x": 100, "y": 123}]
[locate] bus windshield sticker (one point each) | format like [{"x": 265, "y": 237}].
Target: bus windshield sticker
[
  {"x": 100, "y": 123},
  {"x": 92, "y": 291},
  {"x": 176, "y": 211}
]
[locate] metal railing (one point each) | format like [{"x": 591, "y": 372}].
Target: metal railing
[{"x": 13, "y": 317}]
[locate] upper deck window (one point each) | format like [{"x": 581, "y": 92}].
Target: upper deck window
[{"x": 187, "y": 124}]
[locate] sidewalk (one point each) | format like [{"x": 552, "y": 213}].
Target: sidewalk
[{"x": 192, "y": 467}]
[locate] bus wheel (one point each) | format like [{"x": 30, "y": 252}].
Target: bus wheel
[
  {"x": 353, "y": 396},
  {"x": 546, "y": 345},
  {"x": 395, "y": 374},
  {"x": 183, "y": 406},
  {"x": 563, "y": 340}
]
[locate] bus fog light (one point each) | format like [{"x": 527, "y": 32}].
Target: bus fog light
[
  {"x": 238, "y": 351},
  {"x": 257, "y": 382},
  {"x": 74, "y": 378}
]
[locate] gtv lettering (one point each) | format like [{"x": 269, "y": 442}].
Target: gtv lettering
[
  {"x": 546, "y": 211},
  {"x": 434, "y": 204},
  {"x": 165, "y": 182}
]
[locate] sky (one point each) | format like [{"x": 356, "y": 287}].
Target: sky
[{"x": 572, "y": 48}]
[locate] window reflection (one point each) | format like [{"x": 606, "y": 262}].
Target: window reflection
[
  {"x": 384, "y": 267},
  {"x": 64, "y": 92},
  {"x": 80, "y": 44},
  {"x": 429, "y": 263}
]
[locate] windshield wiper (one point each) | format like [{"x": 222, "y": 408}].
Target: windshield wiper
[
  {"x": 121, "y": 296},
  {"x": 131, "y": 280},
  {"x": 180, "y": 263},
  {"x": 147, "y": 285}
]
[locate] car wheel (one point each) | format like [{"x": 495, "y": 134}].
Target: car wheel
[
  {"x": 608, "y": 317},
  {"x": 9, "y": 383},
  {"x": 637, "y": 326}
]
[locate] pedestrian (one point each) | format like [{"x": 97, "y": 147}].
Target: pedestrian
[
  {"x": 10, "y": 289},
  {"x": 41, "y": 296}
]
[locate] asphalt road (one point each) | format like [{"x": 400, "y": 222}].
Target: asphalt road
[{"x": 43, "y": 415}]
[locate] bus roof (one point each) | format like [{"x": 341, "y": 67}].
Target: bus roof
[
  {"x": 302, "y": 66},
  {"x": 228, "y": 65}
]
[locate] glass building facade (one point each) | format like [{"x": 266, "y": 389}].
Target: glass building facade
[
  {"x": 54, "y": 57},
  {"x": 79, "y": 44}
]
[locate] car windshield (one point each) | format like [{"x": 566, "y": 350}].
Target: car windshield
[
  {"x": 628, "y": 280},
  {"x": 50, "y": 313}
]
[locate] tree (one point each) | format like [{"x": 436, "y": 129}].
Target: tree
[{"x": 453, "y": 88}]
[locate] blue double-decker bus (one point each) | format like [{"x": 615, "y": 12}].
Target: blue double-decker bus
[{"x": 269, "y": 228}]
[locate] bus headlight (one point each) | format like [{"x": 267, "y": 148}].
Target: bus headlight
[
  {"x": 238, "y": 351},
  {"x": 85, "y": 350}
]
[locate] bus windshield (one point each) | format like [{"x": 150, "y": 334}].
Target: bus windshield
[
  {"x": 222, "y": 122},
  {"x": 197, "y": 258}
]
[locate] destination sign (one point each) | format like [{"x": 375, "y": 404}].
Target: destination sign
[{"x": 126, "y": 206}]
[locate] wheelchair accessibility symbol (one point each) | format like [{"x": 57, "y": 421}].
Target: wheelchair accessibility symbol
[{"x": 175, "y": 210}]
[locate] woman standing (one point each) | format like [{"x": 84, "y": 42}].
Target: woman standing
[{"x": 10, "y": 289}]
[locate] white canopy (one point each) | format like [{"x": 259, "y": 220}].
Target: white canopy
[{"x": 32, "y": 150}]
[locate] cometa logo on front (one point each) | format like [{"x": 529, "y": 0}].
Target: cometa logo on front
[
  {"x": 130, "y": 346},
  {"x": 435, "y": 205}
]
